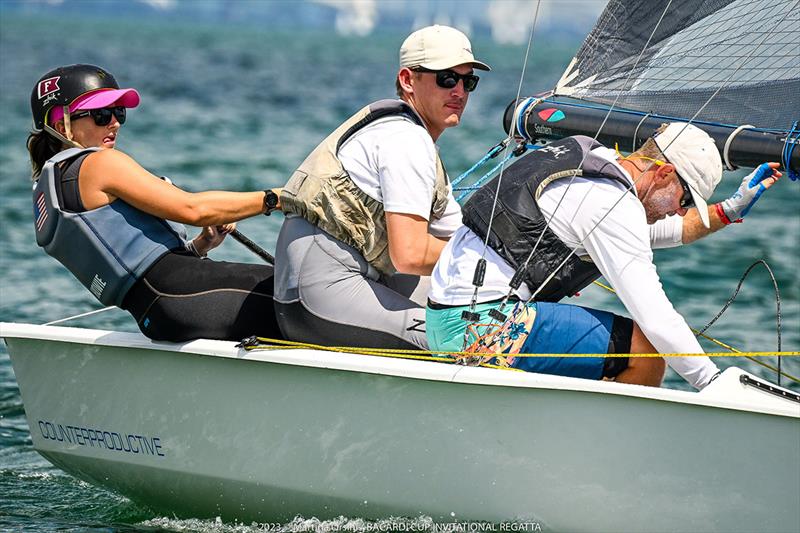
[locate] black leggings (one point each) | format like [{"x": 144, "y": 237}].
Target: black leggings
[{"x": 183, "y": 297}]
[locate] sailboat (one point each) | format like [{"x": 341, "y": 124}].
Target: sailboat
[{"x": 264, "y": 432}]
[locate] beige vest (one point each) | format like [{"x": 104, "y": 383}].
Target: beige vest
[{"x": 322, "y": 192}]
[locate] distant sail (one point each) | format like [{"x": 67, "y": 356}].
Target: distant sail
[{"x": 746, "y": 49}]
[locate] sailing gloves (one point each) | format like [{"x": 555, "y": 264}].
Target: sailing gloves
[{"x": 735, "y": 208}]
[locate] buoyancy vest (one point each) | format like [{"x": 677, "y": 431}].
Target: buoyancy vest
[
  {"x": 322, "y": 192},
  {"x": 109, "y": 248},
  {"x": 518, "y": 221}
]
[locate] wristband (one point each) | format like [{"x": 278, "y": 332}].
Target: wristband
[{"x": 722, "y": 216}]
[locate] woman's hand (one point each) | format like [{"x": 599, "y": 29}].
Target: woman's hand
[{"x": 211, "y": 237}]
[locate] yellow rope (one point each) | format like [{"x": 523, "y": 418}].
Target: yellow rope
[
  {"x": 277, "y": 344},
  {"x": 738, "y": 353},
  {"x": 449, "y": 357}
]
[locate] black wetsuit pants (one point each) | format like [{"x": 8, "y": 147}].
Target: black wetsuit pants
[{"x": 183, "y": 297}]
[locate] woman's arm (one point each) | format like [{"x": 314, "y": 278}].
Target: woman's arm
[{"x": 110, "y": 174}]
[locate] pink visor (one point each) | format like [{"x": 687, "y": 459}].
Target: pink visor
[{"x": 96, "y": 100}]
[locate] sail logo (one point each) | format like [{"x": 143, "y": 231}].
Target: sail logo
[{"x": 551, "y": 115}]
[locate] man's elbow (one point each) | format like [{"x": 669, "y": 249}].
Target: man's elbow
[{"x": 411, "y": 263}]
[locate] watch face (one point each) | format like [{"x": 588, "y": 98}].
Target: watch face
[{"x": 270, "y": 201}]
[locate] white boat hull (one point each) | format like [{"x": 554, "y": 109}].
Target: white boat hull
[{"x": 205, "y": 429}]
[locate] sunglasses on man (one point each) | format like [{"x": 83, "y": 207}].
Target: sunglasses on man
[
  {"x": 687, "y": 200},
  {"x": 447, "y": 79},
  {"x": 102, "y": 116}
]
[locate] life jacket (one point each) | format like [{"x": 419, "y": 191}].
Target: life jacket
[
  {"x": 518, "y": 221},
  {"x": 109, "y": 248},
  {"x": 322, "y": 192}
]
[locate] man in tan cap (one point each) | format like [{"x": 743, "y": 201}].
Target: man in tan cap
[
  {"x": 555, "y": 229},
  {"x": 371, "y": 208}
]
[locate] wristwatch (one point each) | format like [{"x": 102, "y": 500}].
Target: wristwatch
[{"x": 270, "y": 202}]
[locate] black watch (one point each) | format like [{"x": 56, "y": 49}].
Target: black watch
[{"x": 270, "y": 201}]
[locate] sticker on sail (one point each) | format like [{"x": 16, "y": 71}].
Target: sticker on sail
[{"x": 551, "y": 115}]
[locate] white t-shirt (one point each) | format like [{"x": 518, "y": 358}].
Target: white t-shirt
[
  {"x": 621, "y": 248},
  {"x": 393, "y": 160}
]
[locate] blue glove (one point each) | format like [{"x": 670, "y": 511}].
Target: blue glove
[{"x": 737, "y": 206}]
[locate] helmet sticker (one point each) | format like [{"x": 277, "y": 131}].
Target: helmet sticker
[{"x": 48, "y": 86}]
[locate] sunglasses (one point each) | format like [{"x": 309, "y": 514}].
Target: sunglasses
[
  {"x": 447, "y": 79},
  {"x": 687, "y": 200},
  {"x": 102, "y": 116}
]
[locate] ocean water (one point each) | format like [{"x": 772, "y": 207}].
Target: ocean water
[{"x": 238, "y": 108}]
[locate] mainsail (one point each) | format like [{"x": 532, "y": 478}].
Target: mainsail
[{"x": 722, "y": 64}]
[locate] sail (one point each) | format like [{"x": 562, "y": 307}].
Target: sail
[{"x": 745, "y": 51}]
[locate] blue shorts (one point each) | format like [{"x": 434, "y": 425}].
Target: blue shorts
[
  {"x": 563, "y": 328},
  {"x": 557, "y": 328}
]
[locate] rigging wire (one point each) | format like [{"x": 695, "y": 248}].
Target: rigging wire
[
  {"x": 516, "y": 280},
  {"x": 749, "y": 55},
  {"x": 736, "y": 293},
  {"x": 480, "y": 268}
]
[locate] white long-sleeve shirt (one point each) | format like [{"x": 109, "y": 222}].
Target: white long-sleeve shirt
[{"x": 620, "y": 246}]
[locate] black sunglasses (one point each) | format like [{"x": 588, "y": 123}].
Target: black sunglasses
[
  {"x": 102, "y": 116},
  {"x": 687, "y": 200},
  {"x": 447, "y": 79}
]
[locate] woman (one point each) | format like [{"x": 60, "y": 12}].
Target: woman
[{"x": 118, "y": 228}]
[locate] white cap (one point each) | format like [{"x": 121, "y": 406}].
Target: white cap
[
  {"x": 438, "y": 48},
  {"x": 696, "y": 160}
]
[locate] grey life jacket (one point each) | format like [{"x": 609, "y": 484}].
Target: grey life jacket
[
  {"x": 109, "y": 248},
  {"x": 322, "y": 192},
  {"x": 518, "y": 222}
]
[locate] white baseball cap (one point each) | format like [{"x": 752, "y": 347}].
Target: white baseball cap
[
  {"x": 696, "y": 160},
  {"x": 438, "y": 48}
]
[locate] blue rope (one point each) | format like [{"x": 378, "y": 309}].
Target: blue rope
[
  {"x": 477, "y": 185},
  {"x": 490, "y": 154},
  {"x": 788, "y": 150}
]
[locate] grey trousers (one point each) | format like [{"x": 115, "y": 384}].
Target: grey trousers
[{"x": 326, "y": 293}]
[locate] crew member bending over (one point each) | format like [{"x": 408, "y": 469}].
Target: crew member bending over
[{"x": 627, "y": 199}]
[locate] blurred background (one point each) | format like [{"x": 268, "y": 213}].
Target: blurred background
[{"x": 234, "y": 96}]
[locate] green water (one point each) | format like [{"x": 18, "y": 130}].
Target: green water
[{"x": 238, "y": 108}]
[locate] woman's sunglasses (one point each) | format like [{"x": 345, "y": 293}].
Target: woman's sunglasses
[
  {"x": 447, "y": 79},
  {"x": 102, "y": 116}
]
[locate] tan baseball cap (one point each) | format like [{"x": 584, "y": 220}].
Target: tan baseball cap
[
  {"x": 437, "y": 48},
  {"x": 696, "y": 160}
]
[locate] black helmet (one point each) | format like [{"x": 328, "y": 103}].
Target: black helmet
[{"x": 61, "y": 86}]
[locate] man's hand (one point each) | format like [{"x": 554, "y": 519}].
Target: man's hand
[{"x": 753, "y": 186}]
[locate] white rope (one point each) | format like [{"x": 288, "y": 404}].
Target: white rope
[{"x": 96, "y": 311}]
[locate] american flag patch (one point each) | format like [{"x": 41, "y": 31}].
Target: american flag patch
[{"x": 40, "y": 211}]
